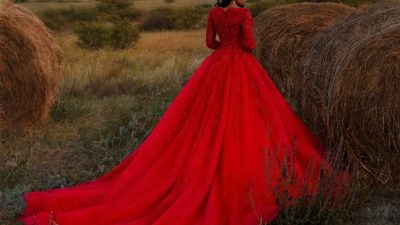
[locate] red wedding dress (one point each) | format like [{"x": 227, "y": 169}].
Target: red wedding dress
[{"x": 206, "y": 161}]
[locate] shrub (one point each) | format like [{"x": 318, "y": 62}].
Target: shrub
[
  {"x": 54, "y": 19},
  {"x": 111, "y": 6},
  {"x": 118, "y": 34},
  {"x": 93, "y": 35},
  {"x": 121, "y": 8},
  {"x": 181, "y": 18},
  {"x": 190, "y": 18},
  {"x": 129, "y": 13},
  {"x": 82, "y": 14},
  {"x": 124, "y": 34},
  {"x": 106, "y": 10},
  {"x": 158, "y": 19},
  {"x": 61, "y": 19}
]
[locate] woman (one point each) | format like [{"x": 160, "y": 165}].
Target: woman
[{"x": 214, "y": 158}]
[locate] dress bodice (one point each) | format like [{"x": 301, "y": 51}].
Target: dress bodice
[{"x": 234, "y": 27}]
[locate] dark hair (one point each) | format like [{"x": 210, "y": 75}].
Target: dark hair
[{"x": 224, "y": 3}]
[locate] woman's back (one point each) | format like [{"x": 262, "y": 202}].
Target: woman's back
[{"x": 234, "y": 27}]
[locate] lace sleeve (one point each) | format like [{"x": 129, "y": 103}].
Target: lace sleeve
[
  {"x": 211, "y": 34},
  {"x": 248, "y": 41}
]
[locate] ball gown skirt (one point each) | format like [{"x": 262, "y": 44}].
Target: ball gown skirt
[{"x": 214, "y": 158}]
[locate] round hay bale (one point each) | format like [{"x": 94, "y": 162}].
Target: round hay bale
[
  {"x": 29, "y": 68},
  {"x": 351, "y": 77},
  {"x": 280, "y": 32}
]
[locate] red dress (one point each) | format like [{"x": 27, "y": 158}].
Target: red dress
[{"x": 210, "y": 159}]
